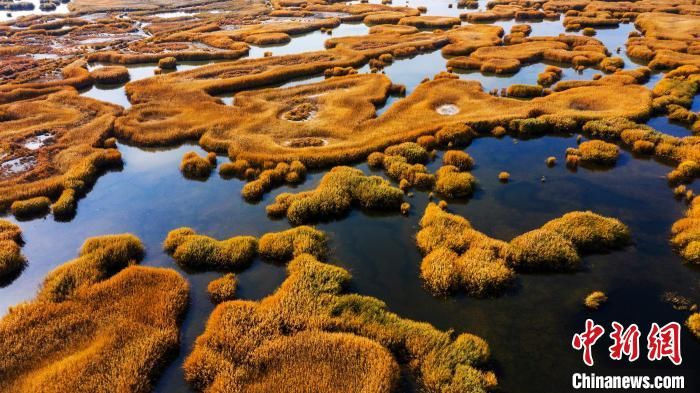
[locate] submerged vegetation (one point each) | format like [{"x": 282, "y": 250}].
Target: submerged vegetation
[{"x": 97, "y": 324}]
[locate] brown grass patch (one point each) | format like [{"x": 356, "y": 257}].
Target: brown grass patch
[
  {"x": 255, "y": 130},
  {"x": 595, "y": 152},
  {"x": 110, "y": 75},
  {"x": 345, "y": 341},
  {"x": 69, "y": 158},
  {"x": 338, "y": 191},
  {"x": 109, "y": 332},
  {"x": 458, "y": 256},
  {"x": 12, "y": 262}
]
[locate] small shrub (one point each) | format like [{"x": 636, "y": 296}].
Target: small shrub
[
  {"x": 551, "y": 161},
  {"x": 504, "y": 177}
]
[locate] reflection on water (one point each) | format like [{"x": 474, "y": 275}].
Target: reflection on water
[{"x": 528, "y": 329}]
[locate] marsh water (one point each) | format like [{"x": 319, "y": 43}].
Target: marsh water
[{"x": 529, "y": 329}]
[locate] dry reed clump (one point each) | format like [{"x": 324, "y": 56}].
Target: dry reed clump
[
  {"x": 167, "y": 63},
  {"x": 113, "y": 328},
  {"x": 196, "y": 167},
  {"x": 459, "y": 257},
  {"x": 235, "y": 168},
  {"x": 408, "y": 175},
  {"x": 524, "y": 91},
  {"x": 289, "y": 244},
  {"x": 51, "y": 145},
  {"x": 544, "y": 250},
  {"x": 504, "y": 177},
  {"x": 338, "y": 191},
  {"x": 458, "y": 158},
  {"x": 595, "y": 152},
  {"x": 32, "y": 207},
  {"x": 550, "y": 76},
  {"x": 200, "y": 252},
  {"x": 110, "y": 75},
  {"x": 590, "y": 232},
  {"x": 685, "y": 233},
  {"x": 452, "y": 183},
  {"x": 411, "y": 151},
  {"x": 66, "y": 204},
  {"x": 310, "y": 335},
  {"x": 223, "y": 289},
  {"x": 290, "y": 173},
  {"x": 595, "y": 299},
  {"x": 551, "y": 161},
  {"x": 99, "y": 258},
  {"x": 685, "y": 172},
  {"x": 693, "y": 324},
  {"x": 12, "y": 262}
]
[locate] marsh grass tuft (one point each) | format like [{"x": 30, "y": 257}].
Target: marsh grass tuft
[
  {"x": 457, "y": 256},
  {"x": 193, "y": 166},
  {"x": 12, "y": 262},
  {"x": 693, "y": 324},
  {"x": 594, "y": 152},
  {"x": 286, "y": 245},
  {"x": 452, "y": 183},
  {"x": 313, "y": 334},
  {"x": 223, "y": 289},
  {"x": 339, "y": 190},
  {"x": 33, "y": 207},
  {"x": 199, "y": 252},
  {"x": 595, "y": 299},
  {"x": 97, "y": 324}
]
